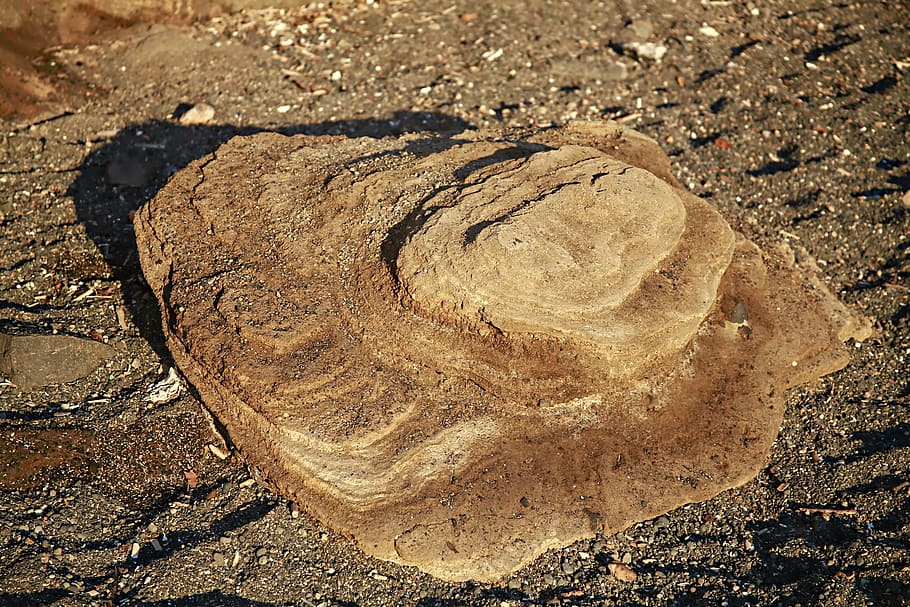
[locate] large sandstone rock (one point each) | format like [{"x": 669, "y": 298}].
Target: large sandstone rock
[{"x": 464, "y": 352}]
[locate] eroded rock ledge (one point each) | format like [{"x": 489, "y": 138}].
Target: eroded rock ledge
[{"x": 462, "y": 352}]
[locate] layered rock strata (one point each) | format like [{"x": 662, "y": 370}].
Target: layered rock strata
[{"x": 462, "y": 352}]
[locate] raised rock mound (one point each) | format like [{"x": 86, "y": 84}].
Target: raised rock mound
[{"x": 462, "y": 352}]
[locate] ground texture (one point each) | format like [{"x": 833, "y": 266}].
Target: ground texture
[{"x": 792, "y": 118}]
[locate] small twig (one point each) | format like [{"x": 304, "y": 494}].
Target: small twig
[
  {"x": 45, "y": 120},
  {"x": 827, "y": 511}
]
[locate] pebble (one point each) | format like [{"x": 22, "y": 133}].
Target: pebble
[
  {"x": 219, "y": 560},
  {"x": 201, "y": 113},
  {"x": 707, "y": 30},
  {"x": 165, "y": 390},
  {"x": 616, "y": 71},
  {"x": 622, "y": 572},
  {"x": 905, "y": 200},
  {"x": 648, "y": 50},
  {"x": 641, "y": 29}
]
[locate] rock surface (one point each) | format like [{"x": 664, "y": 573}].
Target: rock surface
[
  {"x": 32, "y": 361},
  {"x": 465, "y": 351}
]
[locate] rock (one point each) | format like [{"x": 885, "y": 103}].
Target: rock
[
  {"x": 641, "y": 29},
  {"x": 905, "y": 200},
  {"x": 396, "y": 320},
  {"x": 707, "y": 30},
  {"x": 622, "y": 572},
  {"x": 616, "y": 71},
  {"x": 648, "y": 51},
  {"x": 32, "y": 361},
  {"x": 201, "y": 113},
  {"x": 169, "y": 388}
]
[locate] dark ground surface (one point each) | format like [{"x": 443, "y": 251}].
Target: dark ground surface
[{"x": 793, "y": 119}]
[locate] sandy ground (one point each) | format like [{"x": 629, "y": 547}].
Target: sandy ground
[{"x": 791, "y": 117}]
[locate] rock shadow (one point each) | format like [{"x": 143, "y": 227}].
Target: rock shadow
[
  {"x": 797, "y": 556},
  {"x": 129, "y": 170}
]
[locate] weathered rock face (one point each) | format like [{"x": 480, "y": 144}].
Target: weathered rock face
[{"x": 464, "y": 352}]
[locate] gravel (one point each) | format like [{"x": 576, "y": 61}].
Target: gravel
[{"x": 793, "y": 120}]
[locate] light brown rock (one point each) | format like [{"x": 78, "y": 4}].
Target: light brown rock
[
  {"x": 464, "y": 352},
  {"x": 621, "y": 572}
]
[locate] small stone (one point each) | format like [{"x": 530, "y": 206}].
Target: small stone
[
  {"x": 218, "y": 451},
  {"x": 261, "y": 552},
  {"x": 568, "y": 568},
  {"x": 263, "y": 560},
  {"x": 740, "y": 314},
  {"x": 219, "y": 560},
  {"x": 165, "y": 390},
  {"x": 622, "y": 572},
  {"x": 661, "y": 522},
  {"x": 648, "y": 50},
  {"x": 156, "y": 545},
  {"x": 707, "y": 30},
  {"x": 32, "y": 361},
  {"x": 641, "y": 29},
  {"x": 905, "y": 200},
  {"x": 134, "y": 550},
  {"x": 283, "y": 109},
  {"x": 224, "y": 539},
  {"x": 201, "y": 113},
  {"x": 626, "y": 558},
  {"x": 616, "y": 71}
]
